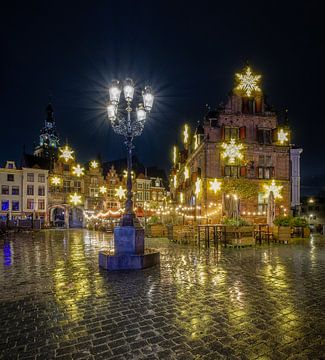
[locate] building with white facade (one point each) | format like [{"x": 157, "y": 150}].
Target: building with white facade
[{"x": 23, "y": 192}]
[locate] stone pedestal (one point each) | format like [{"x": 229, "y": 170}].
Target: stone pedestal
[
  {"x": 129, "y": 252},
  {"x": 128, "y": 240}
]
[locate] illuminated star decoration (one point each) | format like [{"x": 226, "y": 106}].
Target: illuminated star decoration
[
  {"x": 185, "y": 133},
  {"x": 75, "y": 199},
  {"x": 66, "y": 153},
  {"x": 198, "y": 186},
  {"x": 232, "y": 151},
  {"x": 186, "y": 173},
  {"x": 94, "y": 164},
  {"x": 282, "y": 137},
  {"x": 248, "y": 82},
  {"x": 276, "y": 189},
  {"x": 215, "y": 185},
  {"x": 120, "y": 192},
  {"x": 78, "y": 171},
  {"x": 103, "y": 190},
  {"x": 55, "y": 180}
]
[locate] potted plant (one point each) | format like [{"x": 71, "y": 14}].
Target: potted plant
[
  {"x": 282, "y": 228},
  {"x": 239, "y": 231},
  {"x": 300, "y": 227}
]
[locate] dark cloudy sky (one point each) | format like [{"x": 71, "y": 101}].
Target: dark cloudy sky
[{"x": 188, "y": 51}]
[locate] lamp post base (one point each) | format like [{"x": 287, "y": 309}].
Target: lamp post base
[{"x": 129, "y": 252}]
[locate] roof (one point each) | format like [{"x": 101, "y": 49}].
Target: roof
[{"x": 32, "y": 161}]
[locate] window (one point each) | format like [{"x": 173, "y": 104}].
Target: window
[
  {"x": 147, "y": 195},
  {"x": 262, "y": 203},
  {"x": 66, "y": 167},
  {"x": 10, "y": 165},
  {"x": 30, "y": 189},
  {"x": 231, "y": 133},
  {"x": 154, "y": 196},
  {"x": 5, "y": 190},
  {"x": 5, "y": 205},
  {"x": 10, "y": 177},
  {"x": 30, "y": 177},
  {"x": 93, "y": 192},
  {"x": 30, "y": 204},
  {"x": 15, "y": 205},
  {"x": 139, "y": 186},
  {"x": 41, "y": 190},
  {"x": 265, "y": 172},
  {"x": 15, "y": 190},
  {"x": 157, "y": 183},
  {"x": 264, "y": 136},
  {"x": 94, "y": 181},
  {"x": 66, "y": 186},
  {"x": 232, "y": 171},
  {"x": 140, "y": 196},
  {"x": 41, "y": 178},
  {"x": 77, "y": 186},
  {"x": 41, "y": 204}
]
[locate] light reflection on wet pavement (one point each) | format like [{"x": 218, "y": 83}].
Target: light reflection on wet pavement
[{"x": 264, "y": 302}]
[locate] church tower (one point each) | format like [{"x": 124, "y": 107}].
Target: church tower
[{"x": 49, "y": 139}]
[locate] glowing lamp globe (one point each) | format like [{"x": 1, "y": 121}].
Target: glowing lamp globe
[
  {"x": 128, "y": 89},
  {"x": 115, "y": 92},
  {"x": 141, "y": 113},
  {"x": 111, "y": 111},
  {"x": 147, "y": 98}
]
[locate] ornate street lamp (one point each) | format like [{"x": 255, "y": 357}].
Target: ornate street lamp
[{"x": 128, "y": 125}]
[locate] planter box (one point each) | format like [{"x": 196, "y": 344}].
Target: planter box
[
  {"x": 240, "y": 235},
  {"x": 306, "y": 232},
  {"x": 282, "y": 233}
]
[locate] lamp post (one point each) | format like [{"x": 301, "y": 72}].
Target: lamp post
[{"x": 129, "y": 125}]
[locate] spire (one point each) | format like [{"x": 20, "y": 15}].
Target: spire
[
  {"x": 286, "y": 117},
  {"x": 49, "y": 113}
]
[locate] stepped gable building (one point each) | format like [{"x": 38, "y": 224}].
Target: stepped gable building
[{"x": 240, "y": 150}]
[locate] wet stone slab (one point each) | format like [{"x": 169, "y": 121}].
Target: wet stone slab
[{"x": 55, "y": 302}]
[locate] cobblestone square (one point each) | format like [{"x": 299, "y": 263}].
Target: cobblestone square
[{"x": 254, "y": 303}]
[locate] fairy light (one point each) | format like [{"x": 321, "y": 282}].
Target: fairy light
[
  {"x": 185, "y": 134},
  {"x": 282, "y": 136},
  {"x": 75, "y": 199},
  {"x": 232, "y": 151},
  {"x": 66, "y": 153},
  {"x": 276, "y": 189},
  {"x": 120, "y": 192},
  {"x": 56, "y": 181},
  {"x": 186, "y": 173},
  {"x": 94, "y": 164},
  {"x": 103, "y": 189},
  {"x": 198, "y": 186}
]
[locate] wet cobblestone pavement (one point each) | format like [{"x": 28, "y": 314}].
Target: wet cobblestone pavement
[{"x": 265, "y": 302}]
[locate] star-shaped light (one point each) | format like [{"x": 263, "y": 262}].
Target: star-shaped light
[
  {"x": 78, "y": 171},
  {"x": 186, "y": 173},
  {"x": 186, "y": 134},
  {"x": 215, "y": 185},
  {"x": 248, "y": 83},
  {"x": 282, "y": 136},
  {"x": 56, "y": 181},
  {"x": 120, "y": 192},
  {"x": 198, "y": 186},
  {"x": 66, "y": 153},
  {"x": 75, "y": 199},
  {"x": 94, "y": 164},
  {"x": 276, "y": 189},
  {"x": 232, "y": 151},
  {"x": 103, "y": 189}
]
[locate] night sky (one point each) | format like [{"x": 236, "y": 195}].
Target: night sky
[{"x": 187, "y": 51}]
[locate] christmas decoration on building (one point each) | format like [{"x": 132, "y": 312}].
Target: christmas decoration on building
[
  {"x": 66, "y": 153},
  {"x": 248, "y": 83},
  {"x": 232, "y": 151},
  {"x": 94, "y": 164},
  {"x": 120, "y": 192},
  {"x": 215, "y": 185},
  {"x": 103, "y": 189},
  {"x": 55, "y": 180},
  {"x": 75, "y": 199},
  {"x": 78, "y": 170},
  {"x": 186, "y": 134},
  {"x": 283, "y": 137},
  {"x": 198, "y": 185},
  {"x": 186, "y": 173},
  {"x": 276, "y": 189}
]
